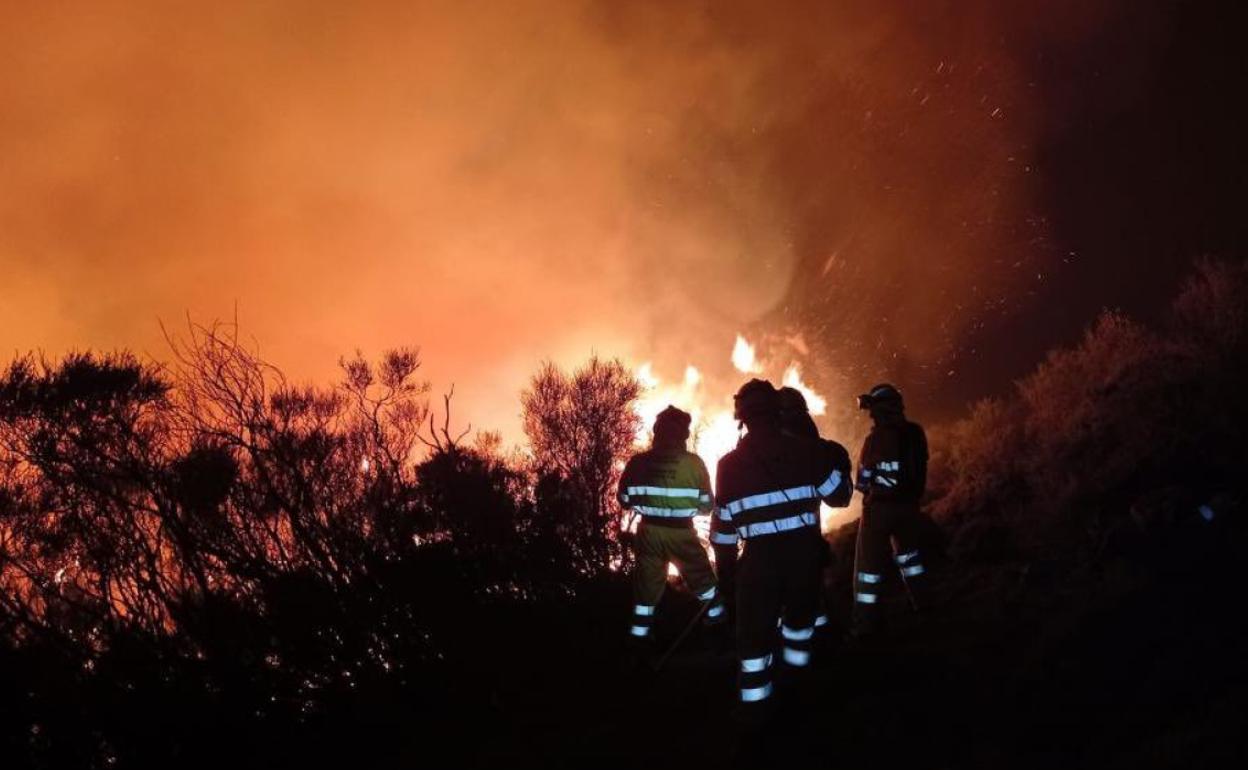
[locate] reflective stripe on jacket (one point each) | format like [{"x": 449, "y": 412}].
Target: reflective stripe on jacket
[
  {"x": 893, "y": 463},
  {"x": 773, "y": 483},
  {"x": 666, "y": 483}
]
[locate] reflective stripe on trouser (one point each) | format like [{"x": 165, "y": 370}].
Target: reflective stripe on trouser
[
  {"x": 781, "y": 571},
  {"x": 796, "y": 643},
  {"x": 883, "y": 527},
  {"x": 643, "y": 618},
  {"x": 910, "y": 565},
  {"x": 755, "y": 678},
  {"x": 867, "y": 587},
  {"x": 656, "y": 547},
  {"x": 715, "y": 611}
]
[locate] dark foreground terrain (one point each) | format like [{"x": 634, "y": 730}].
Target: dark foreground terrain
[
  {"x": 1132, "y": 660},
  {"x": 1130, "y": 656},
  {"x": 1126, "y": 654}
]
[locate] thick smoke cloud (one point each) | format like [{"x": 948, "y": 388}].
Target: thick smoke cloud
[{"x": 500, "y": 183}]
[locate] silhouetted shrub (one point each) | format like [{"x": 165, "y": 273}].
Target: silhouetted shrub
[
  {"x": 1130, "y": 412},
  {"x": 211, "y": 540},
  {"x": 580, "y": 426}
]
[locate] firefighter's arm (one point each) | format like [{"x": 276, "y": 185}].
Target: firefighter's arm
[
  {"x": 626, "y": 480},
  {"x": 724, "y": 544},
  {"x": 863, "y": 482},
  {"x": 835, "y": 486},
  {"x": 706, "y": 502},
  {"x": 882, "y": 472},
  {"x": 723, "y": 531}
]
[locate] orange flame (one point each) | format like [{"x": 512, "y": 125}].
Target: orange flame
[
  {"x": 743, "y": 357},
  {"x": 814, "y": 402},
  {"x": 714, "y": 432}
]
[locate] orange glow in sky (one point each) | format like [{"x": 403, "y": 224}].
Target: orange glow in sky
[{"x": 499, "y": 188}]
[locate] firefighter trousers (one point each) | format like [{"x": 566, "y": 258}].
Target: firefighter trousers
[
  {"x": 778, "y": 580},
  {"x": 657, "y": 546},
  {"x": 883, "y": 524}
]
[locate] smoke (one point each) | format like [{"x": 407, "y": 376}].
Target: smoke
[{"x": 505, "y": 182}]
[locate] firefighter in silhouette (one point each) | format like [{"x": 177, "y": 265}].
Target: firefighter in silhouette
[
  {"x": 667, "y": 486},
  {"x": 892, "y": 476},
  {"x": 795, "y": 420},
  {"x": 768, "y": 491}
]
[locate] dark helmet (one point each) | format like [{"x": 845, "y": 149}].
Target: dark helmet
[
  {"x": 792, "y": 400},
  {"x": 881, "y": 395},
  {"x": 795, "y": 414},
  {"x": 672, "y": 424},
  {"x": 756, "y": 398}
]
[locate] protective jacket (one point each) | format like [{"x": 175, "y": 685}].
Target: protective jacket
[
  {"x": 668, "y": 486},
  {"x": 893, "y": 464},
  {"x": 723, "y": 535},
  {"x": 768, "y": 494}
]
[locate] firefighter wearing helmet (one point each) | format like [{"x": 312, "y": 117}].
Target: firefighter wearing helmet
[
  {"x": 768, "y": 490},
  {"x": 795, "y": 420},
  {"x": 892, "y": 476},
  {"x": 667, "y": 486}
]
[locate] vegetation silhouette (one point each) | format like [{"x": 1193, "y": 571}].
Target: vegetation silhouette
[{"x": 210, "y": 540}]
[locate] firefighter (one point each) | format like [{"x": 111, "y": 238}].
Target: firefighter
[
  {"x": 667, "y": 486},
  {"x": 892, "y": 476},
  {"x": 768, "y": 492},
  {"x": 795, "y": 420}
]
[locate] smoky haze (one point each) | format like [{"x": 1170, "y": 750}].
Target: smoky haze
[{"x": 502, "y": 183}]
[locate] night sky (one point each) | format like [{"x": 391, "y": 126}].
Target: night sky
[{"x": 1141, "y": 167}]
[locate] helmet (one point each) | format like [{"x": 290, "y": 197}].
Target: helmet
[
  {"x": 792, "y": 400},
  {"x": 756, "y": 398},
  {"x": 880, "y": 395},
  {"x": 795, "y": 416},
  {"x": 672, "y": 423}
]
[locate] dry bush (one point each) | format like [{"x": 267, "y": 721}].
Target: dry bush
[
  {"x": 1123, "y": 414},
  {"x": 210, "y": 537},
  {"x": 979, "y": 460},
  {"x": 580, "y": 426}
]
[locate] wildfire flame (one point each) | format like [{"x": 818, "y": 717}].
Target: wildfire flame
[
  {"x": 814, "y": 402},
  {"x": 713, "y": 432},
  {"x": 743, "y": 357}
]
